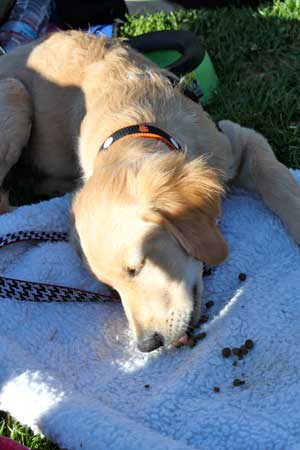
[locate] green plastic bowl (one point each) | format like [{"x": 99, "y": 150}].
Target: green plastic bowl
[
  {"x": 182, "y": 53},
  {"x": 203, "y": 77}
]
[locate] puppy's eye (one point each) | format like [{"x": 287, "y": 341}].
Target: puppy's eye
[{"x": 134, "y": 271}]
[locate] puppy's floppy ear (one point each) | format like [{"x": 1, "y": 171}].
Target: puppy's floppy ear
[
  {"x": 199, "y": 236},
  {"x": 184, "y": 198}
]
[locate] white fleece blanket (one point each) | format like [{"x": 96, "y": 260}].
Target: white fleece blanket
[{"x": 73, "y": 372}]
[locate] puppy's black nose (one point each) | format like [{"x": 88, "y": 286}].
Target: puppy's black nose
[{"x": 152, "y": 343}]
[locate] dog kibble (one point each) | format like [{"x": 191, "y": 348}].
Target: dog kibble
[
  {"x": 203, "y": 319},
  {"x": 178, "y": 344},
  {"x": 244, "y": 350},
  {"x": 200, "y": 336},
  {"x": 249, "y": 344},
  {"x": 192, "y": 342},
  {"x": 237, "y": 351},
  {"x": 226, "y": 352},
  {"x": 209, "y": 304},
  {"x": 216, "y": 389},
  {"x": 242, "y": 276},
  {"x": 238, "y": 382}
]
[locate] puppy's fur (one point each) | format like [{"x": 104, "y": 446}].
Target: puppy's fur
[{"x": 144, "y": 216}]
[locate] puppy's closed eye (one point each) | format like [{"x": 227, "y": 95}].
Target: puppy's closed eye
[{"x": 134, "y": 270}]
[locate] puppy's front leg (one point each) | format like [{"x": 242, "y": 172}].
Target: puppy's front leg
[
  {"x": 15, "y": 126},
  {"x": 260, "y": 171}
]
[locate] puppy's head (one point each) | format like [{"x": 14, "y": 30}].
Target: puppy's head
[{"x": 145, "y": 228}]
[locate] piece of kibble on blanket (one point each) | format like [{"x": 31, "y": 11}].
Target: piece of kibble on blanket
[
  {"x": 226, "y": 352},
  {"x": 209, "y": 304},
  {"x": 237, "y": 382}
]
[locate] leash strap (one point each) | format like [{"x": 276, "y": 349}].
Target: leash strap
[
  {"x": 31, "y": 291},
  {"x": 40, "y": 292},
  {"x": 21, "y": 236}
]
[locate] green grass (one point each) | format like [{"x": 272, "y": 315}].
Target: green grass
[
  {"x": 256, "y": 56},
  {"x": 14, "y": 430}
]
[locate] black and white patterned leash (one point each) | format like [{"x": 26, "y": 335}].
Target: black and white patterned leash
[{"x": 31, "y": 291}]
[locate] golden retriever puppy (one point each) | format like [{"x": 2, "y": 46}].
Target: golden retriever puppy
[{"x": 150, "y": 164}]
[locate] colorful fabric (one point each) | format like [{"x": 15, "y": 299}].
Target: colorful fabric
[
  {"x": 101, "y": 30},
  {"x": 28, "y": 20},
  {"x": 9, "y": 444}
]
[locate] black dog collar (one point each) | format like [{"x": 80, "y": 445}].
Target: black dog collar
[{"x": 141, "y": 131}]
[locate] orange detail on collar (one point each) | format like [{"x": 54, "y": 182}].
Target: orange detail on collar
[{"x": 141, "y": 131}]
